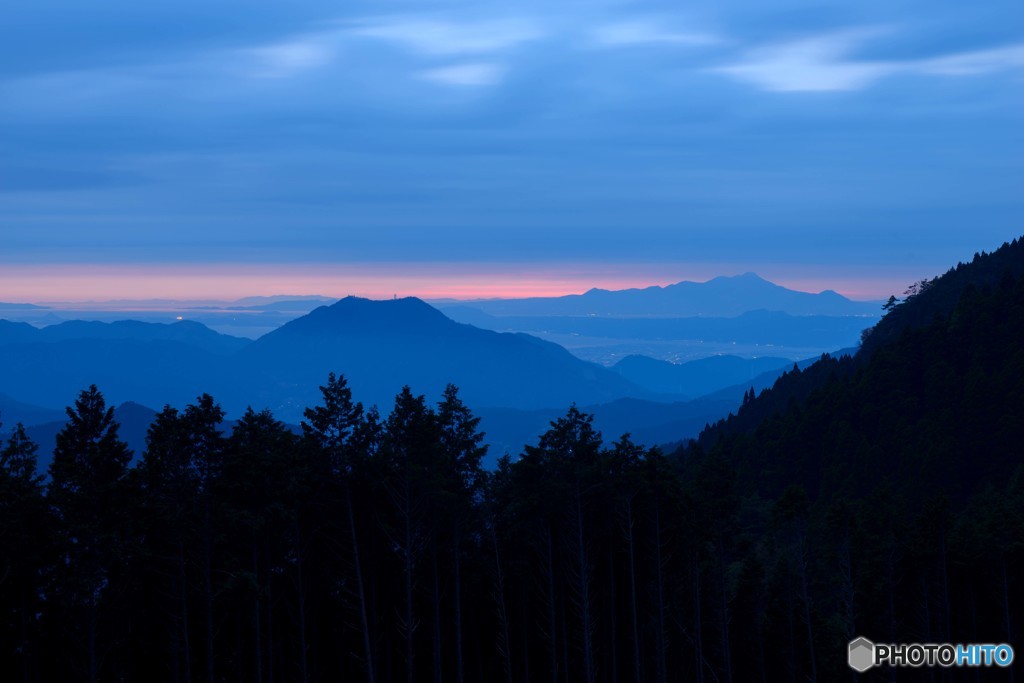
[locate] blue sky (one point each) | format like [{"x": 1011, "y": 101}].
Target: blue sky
[{"x": 883, "y": 138}]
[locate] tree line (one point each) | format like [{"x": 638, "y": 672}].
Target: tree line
[{"x": 378, "y": 549}]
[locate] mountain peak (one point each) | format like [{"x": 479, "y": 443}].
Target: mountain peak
[{"x": 356, "y": 315}]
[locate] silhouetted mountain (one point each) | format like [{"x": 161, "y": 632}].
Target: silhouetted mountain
[
  {"x": 282, "y": 300},
  {"x": 134, "y": 420},
  {"x": 14, "y": 333},
  {"x": 382, "y": 345},
  {"x": 721, "y": 296},
  {"x": 13, "y": 411},
  {"x": 695, "y": 378},
  {"x": 7, "y": 306},
  {"x": 153, "y": 372},
  {"x": 184, "y": 332}
]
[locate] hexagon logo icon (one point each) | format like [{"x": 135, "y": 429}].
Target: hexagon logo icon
[{"x": 861, "y": 655}]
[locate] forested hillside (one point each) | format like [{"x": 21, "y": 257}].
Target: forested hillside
[{"x": 880, "y": 495}]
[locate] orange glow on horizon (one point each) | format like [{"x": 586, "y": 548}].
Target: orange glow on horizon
[{"x": 82, "y": 283}]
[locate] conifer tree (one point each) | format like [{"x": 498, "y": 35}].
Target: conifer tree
[{"x": 88, "y": 491}]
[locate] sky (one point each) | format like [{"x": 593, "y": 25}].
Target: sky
[{"x": 449, "y": 148}]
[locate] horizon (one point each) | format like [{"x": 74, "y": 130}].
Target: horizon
[{"x": 199, "y": 285}]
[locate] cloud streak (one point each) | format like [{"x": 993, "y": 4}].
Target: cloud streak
[
  {"x": 470, "y": 74},
  {"x": 647, "y": 32},
  {"x": 433, "y": 37},
  {"x": 829, "y": 63}
]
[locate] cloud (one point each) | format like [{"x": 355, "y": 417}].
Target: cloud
[
  {"x": 449, "y": 38},
  {"x": 293, "y": 56},
  {"x": 826, "y": 63},
  {"x": 647, "y": 32},
  {"x": 473, "y": 74},
  {"x": 819, "y": 63},
  {"x": 974, "y": 63}
]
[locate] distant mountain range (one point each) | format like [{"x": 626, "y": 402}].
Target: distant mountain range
[
  {"x": 725, "y": 296},
  {"x": 185, "y": 331},
  {"x": 382, "y": 345},
  {"x": 378, "y": 345},
  {"x": 6, "y": 306},
  {"x": 13, "y": 411},
  {"x": 249, "y": 317},
  {"x": 516, "y": 381}
]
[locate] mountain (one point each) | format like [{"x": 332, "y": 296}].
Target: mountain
[
  {"x": 152, "y": 372},
  {"x": 184, "y": 332},
  {"x": 14, "y": 333},
  {"x": 293, "y": 301},
  {"x": 13, "y": 411},
  {"x": 7, "y": 306},
  {"x": 134, "y": 421},
  {"x": 152, "y": 363},
  {"x": 382, "y": 345},
  {"x": 720, "y": 297},
  {"x": 695, "y": 378}
]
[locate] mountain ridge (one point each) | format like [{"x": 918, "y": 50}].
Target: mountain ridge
[{"x": 722, "y": 296}]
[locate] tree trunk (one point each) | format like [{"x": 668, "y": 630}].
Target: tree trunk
[
  {"x": 698, "y": 628},
  {"x": 459, "y": 673},
  {"x": 257, "y": 619},
  {"x": 183, "y": 584},
  {"x": 367, "y": 648},
  {"x": 301, "y": 597},
  {"x": 208, "y": 593},
  {"x": 410, "y": 626},
  {"x": 661, "y": 674},
  {"x": 270, "y": 625},
  {"x": 613, "y": 646},
  {"x": 805, "y": 594},
  {"x": 505, "y": 646},
  {"x": 435, "y": 600},
  {"x": 724, "y": 607},
  {"x": 583, "y": 578},
  {"x": 552, "y": 618},
  {"x": 637, "y": 673}
]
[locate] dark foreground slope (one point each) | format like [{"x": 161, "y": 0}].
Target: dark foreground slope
[{"x": 884, "y": 493}]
